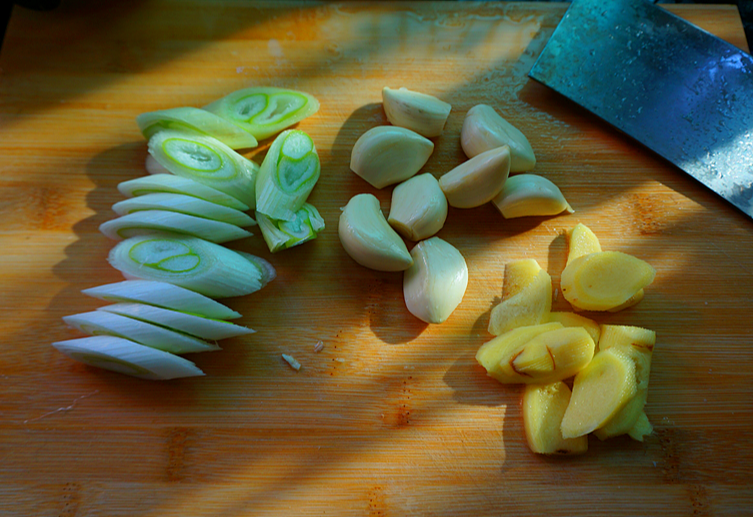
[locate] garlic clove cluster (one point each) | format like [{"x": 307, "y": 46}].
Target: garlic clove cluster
[
  {"x": 484, "y": 129},
  {"x": 434, "y": 285},
  {"x": 419, "y": 207},
  {"x": 385, "y": 155},
  {"x": 368, "y": 239},
  {"x": 478, "y": 180},
  {"x": 422, "y": 113}
]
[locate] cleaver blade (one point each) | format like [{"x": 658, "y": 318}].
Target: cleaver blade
[{"x": 680, "y": 91}]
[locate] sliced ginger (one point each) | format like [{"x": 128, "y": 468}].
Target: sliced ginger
[
  {"x": 638, "y": 343},
  {"x": 604, "y": 280},
  {"x": 600, "y": 391},
  {"x": 528, "y": 300},
  {"x": 582, "y": 241},
  {"x": 570, "y": 319},
  {"x": 543, "y": 409}
]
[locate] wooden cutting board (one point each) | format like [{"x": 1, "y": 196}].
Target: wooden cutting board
[{"x": 393, "y": 417}]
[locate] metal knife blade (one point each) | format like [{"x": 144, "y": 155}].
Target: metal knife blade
[{"x": 677, "y": 89}]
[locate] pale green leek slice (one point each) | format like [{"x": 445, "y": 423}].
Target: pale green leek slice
[
  {"x": 208, "y": 161},
  {"x": 162, "y": 294},
  {"x": 153, "y": 166},
  {"x": 280, "y": 235},
  {"x": 99, "y": 323},
  {"x": 148, "y": 221},
  {"x": 198, "y": 265},
  {"x": 192, "y": 324},
  {"x": 183, "y": 204},
  {"x": 287, "y": 176},
  {"x": 195, "y": 120},
  {"x": 264, "y": 111},
  {"x": 124, "y": 356},
  {"x": 177, "y": 185}
]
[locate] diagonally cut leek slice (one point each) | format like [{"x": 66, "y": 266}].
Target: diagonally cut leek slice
[
  {"x": 177, "y": 185},
  {"x": 147, "y": 221},
  {"x": 197, "y": 121},
  {"x": 182, "y": 321},
  {"x": 208, "y": 161},
  {"x": 287, "y": 176},
  {"x": 198, "y": 265},
  {"x": 110, "y": 324},
  {"x": 264, "y": 111},
  {"x": 280, "y": 235},
  {"x": 124, "y": 356},
  {"x": 188, "y": 205},
  {"x": 162, "y": 294}
]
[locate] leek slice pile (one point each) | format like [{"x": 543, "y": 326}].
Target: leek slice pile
[
  {"x": 124, "y": 356},
  {"x": 183, "y": 204},
  {"x": 198, "y": 326},
  {"x": 264, "y": 111},
  {"x": 142, "y": 332},
  {"x": 149, "y": 221},
  {"x": 198, "y": 121},
  {"x": 208, "y": 161},
  {"x": 198, "y": 265},
  {"x": 280, "y": 235},
  {"x": 287, "y": 176},
  {"x": 178, "y": 185},
  {"x": 162, "y": 294}
]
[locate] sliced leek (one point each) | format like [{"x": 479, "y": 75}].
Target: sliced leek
[
  {"x": 183, "y": 204},
  {"x": 197, "y": 121},
  {"x": 195, "y": 264},
  {"x": 177, "y": 185},
  {"x": 280, "y": 235},
  {"x": 208, "y": 161},
  {"x": 264, "y": 111},
  {"x": 110, "y": 324},
  {"x": 198, "y": 326},
  {"x": 124, "y": 356},
  {"x": 149, "y": 221},
  {"x": 287, "y": 176},
  {"x": 162, "y": 294}
]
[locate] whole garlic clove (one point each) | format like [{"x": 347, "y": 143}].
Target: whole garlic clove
[
  {"x": 389, "y": 154},
  {"x": 368, "y": 239},
  {"x": 419, "y": 207},
  {"x": 530, "y": 195},
  {"x": 484, "y": 129},
  {"x": 434, "y": 285},
  {"x": 478, "y": 180},
  {"x": 424, "y": 114}
]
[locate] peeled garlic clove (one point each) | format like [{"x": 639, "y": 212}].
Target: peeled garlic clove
[
  {"x": 478, "y": 180},
  {"x": 435, "y": 284},
  {"x": 424, "y": 114},
  {"x": 366, "y": 236},
  {"x": 419, "y": 208},
  {"x": 389, "y": 154},
  {"x": 484, "y": 129},
  {"x": 528, "y": 194}
]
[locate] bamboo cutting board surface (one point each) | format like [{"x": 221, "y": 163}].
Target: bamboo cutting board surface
[{"x": 393, "y": 417}]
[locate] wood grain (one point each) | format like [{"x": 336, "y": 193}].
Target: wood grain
[{"x": 393, "y": 417}]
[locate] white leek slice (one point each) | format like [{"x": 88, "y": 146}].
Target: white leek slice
[
  {"x": 105, "y": 323},
  {"x": 287, "y": 176},
  {"x": 162, "y": 294},
  {"x": 208, "y": 161},
  {"x": 198, "y": 265},
  {"x": 149, "y": 221},
  {"x": 183, "y": 204},
  {"x": 184, "y": 322},
  {"x": 124, "y": 356},
  {"x": 197, "y": 121},
  {"x": 177, "y": 185},
  {"x": 264, "y": 111},
  {"x": 280, "y": 235}
]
